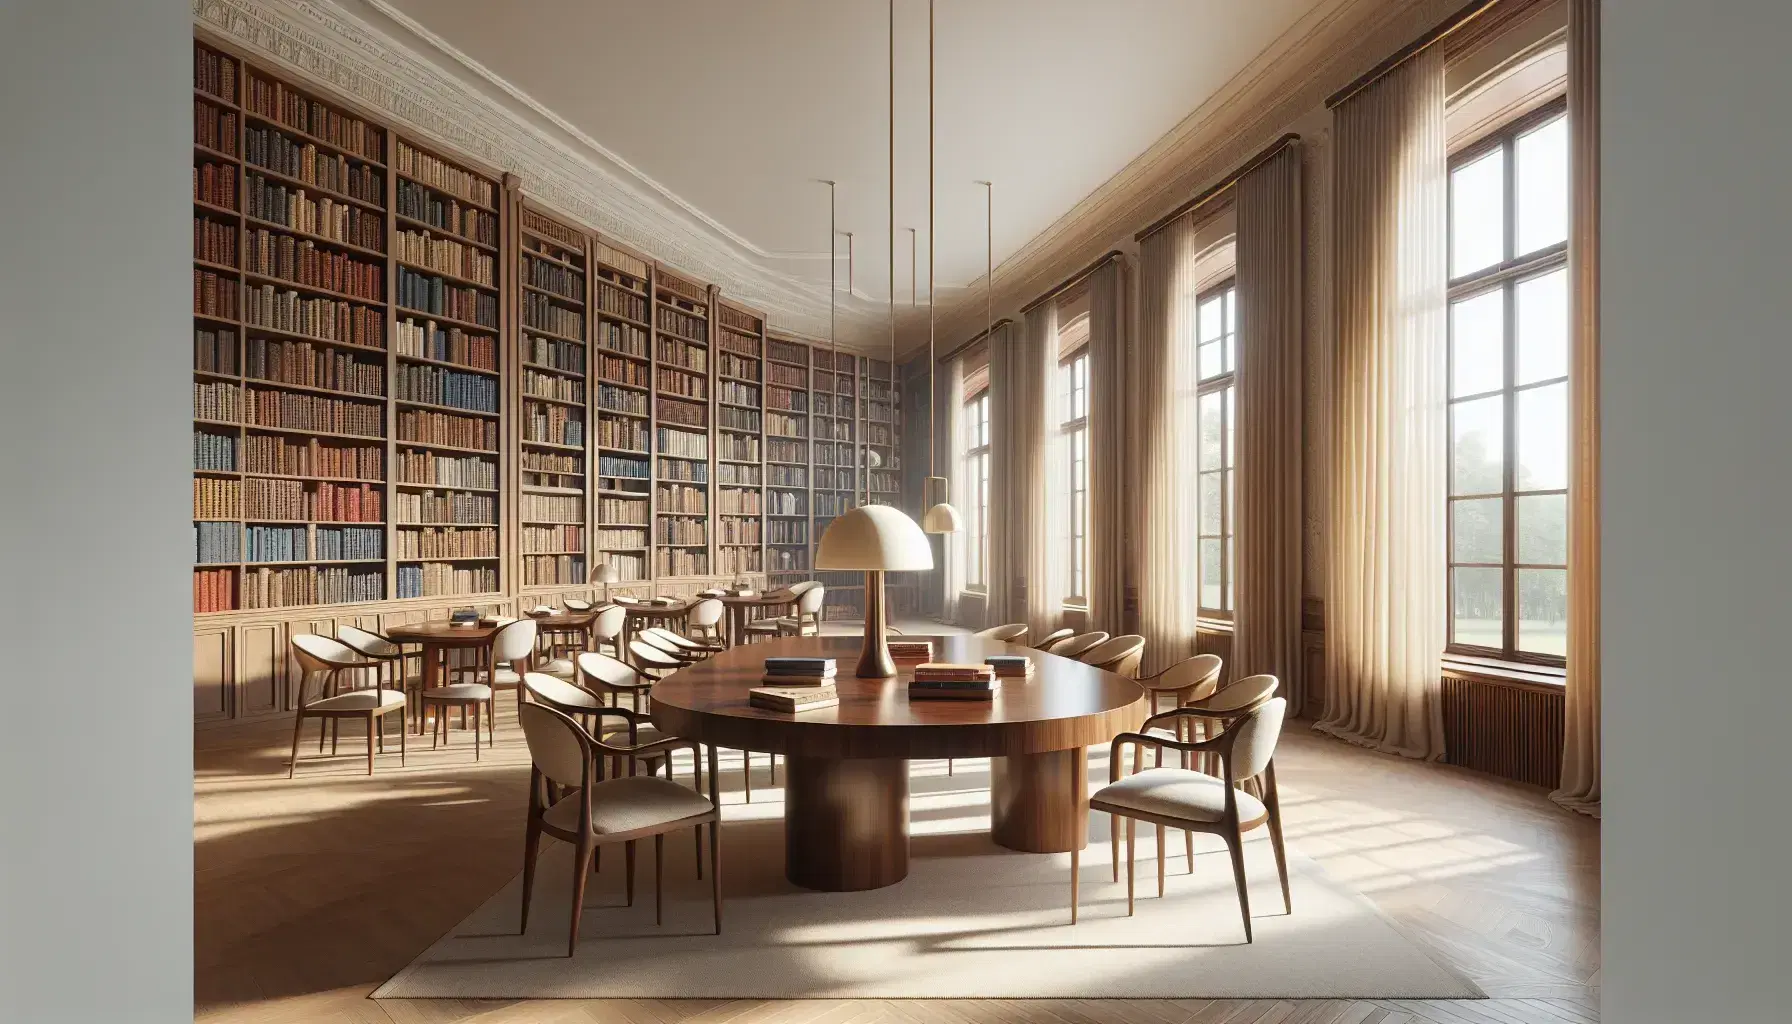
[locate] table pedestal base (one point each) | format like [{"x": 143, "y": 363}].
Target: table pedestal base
[
  {"x": 845, "y": 822},
  {"x": 1039, "y": 803}
]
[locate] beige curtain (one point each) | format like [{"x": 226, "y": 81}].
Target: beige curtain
[
  {"x": 1110, "y": 467},
  {"x": 949, "y": 463},
  {"x": 1164, "y": 383},
  {"x": 1042, "y": 454},
  {"x": 1271, "y": 301},
  {"x": 1016, "y": 446},
  {"x": 1385, "y": 628},
  {"x": 1580, "y": 749}
]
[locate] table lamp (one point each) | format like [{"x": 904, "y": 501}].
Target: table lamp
[
  {"x": 875, "y": 539},
  {"x": 604, "y": 573}
]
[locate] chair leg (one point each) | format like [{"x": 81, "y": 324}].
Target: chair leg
[
  {"x": 401, "y": 732},
  {"x": 1275, "y": 842},
  {"x": 1235, "y": 845},
  {"x": 1114, "y": 841},
  {"x": 476, "y": 714},
  {"x": 948, "y": 767},
  {"x": 298, "y": 722},
  {"x": 1131, "y": 832},
  {"x": 774, "y": 758},
  {"x": 746, "y": 773},
  {"x": 659, "y": 876},
  {"x": 1075, "y": 865},
  {"x": 370, "y": 718},
  {"x": 323, "y": 732},
  {"x": 629, "y": 869},
  {"x": 715, "y": 868},
  {"x": 531, "y": 847},
  {"x": 1188, "y": 842},
  {"x": 1162, "y": 834},
  {"x": 335, "y": 733},
  {"x": 380, "y": 720},
  {"x": 580, "y": 869}
]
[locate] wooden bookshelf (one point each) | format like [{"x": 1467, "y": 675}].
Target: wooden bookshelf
[
  {"x": 622, "y": 370},
  {"x": 553, "y": 300},
  {"x": 449, "y": 402},
  {"x": 835, "y": 484},
  {"x": 788, "y": 468},
  {"x": 740, "y": 441},
  {"x": 684, "y": 441}
]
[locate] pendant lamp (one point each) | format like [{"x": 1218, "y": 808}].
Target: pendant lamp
[{"x": 940, "y": 517}]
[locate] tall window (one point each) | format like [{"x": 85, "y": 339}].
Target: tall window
[
  {"x": 1075, "y": 427},
  {"x": 976, "y": 419},
  {"x": 1509, "y": 392},
  {"x": 1216, "y": 354}
]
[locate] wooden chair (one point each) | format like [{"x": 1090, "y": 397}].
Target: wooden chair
[
  {"x": 1197, "y": 802},
  {"x": 507, "y": 662},
  {"x": 374, "y": 647},
  {"x": 1073, "y": 647},
  {"x": 810, "y": 595},
  {"x": 704, "y": 622},
  {"x": 657, "y": 641},
  {"x": 582, "y": 705},
  {"x": 607, "y": 677},
  {"x": 1187, "y": 680},
  {"x": 1012, "y": 633},
  {"x": 596, "y": 812},
  {"x": 685, "y": 645},
  {"x": 1119, "y": 655},
  {"x": 607, "y": 629},
  {"x": 1053, "y": 637},
  {"x": 324, "y": 659}
]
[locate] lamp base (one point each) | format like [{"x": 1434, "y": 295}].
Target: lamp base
[{"x": 874, "y": 660}]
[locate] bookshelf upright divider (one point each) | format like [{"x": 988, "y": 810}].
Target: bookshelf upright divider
[
  {"x": 685, "y": 433},
  {"x": 740, "y": 445},
  {"x": 621, "y": 386},
  {"x": 790, "y": 431},
  {"x": 553, "y": 289}
]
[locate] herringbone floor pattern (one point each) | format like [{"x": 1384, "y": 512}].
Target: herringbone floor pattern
[{"x": 310, "y": 893}]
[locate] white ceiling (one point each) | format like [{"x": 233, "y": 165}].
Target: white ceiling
[{"x": 726, "y": 113}]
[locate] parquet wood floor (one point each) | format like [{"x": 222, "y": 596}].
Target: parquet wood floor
[{"x": 308, "y": 894}]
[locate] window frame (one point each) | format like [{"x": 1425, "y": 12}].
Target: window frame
[
  {"x": 1075, "y": 427},
  {"x": 977, "y": 456},
  {"x": 1505, "y": 278},
  {"x": 1225, "y": 384}
]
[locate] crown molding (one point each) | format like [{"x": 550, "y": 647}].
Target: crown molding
[{"x": 461, "y": 106}]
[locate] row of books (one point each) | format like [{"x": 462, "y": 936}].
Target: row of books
[
  {"x": 790, "y": 559},
  {"x": 314, "y": 317},
  {"x": 537, "y": 461},
  {"x": 317, "y": 502},
  {"x": 735, "y": 530},
  {"x": 739, "y": 561},
  {"x": 682, "y": 413},
  {"x": 672, "y": 382},
  {"x": 429, "y": 294},
  {"x": 742, "y": 322},
  {"x": 313, "y": 412},
  {"x": 215, "y": 73},
  {"x": 444, "y": 507},
  {"x": 448, "y": 429},
  {"x": 621, "y": 400},
  {"x": 217, "y": 400},
  {"x": 214, "y": 590},
  {"x": 622, "y": 467},
  {"x": 780, "y": 425},
  {"x": 786, "y": 451},
  {"x": 445, "y": 579},
  {"x": 302, "y": 261},
  {"x": 681, "y": 562},
  {"x": 420, "y": 204},
  {"x": 681, "y": 530},
  {"x": 629, "y": 435},
  {"x": 625, "y": 338},
  {"x": 622, "y": 303},
  {"x": 553, "y": 354},
  {"x": 738, "y": 393},
  {"x": 628, "y": 567},
  {"x": 787, "y": 531},
  {"x": 620, "y": 539},
  {"x": 683, "y": 324},
  {"x": 734, "y": 446},
  {"x": 214, "y": 241},
  {"x": 554, "y": 424},
  {"x": 787, "y": 352},
  {"x": 437, "y": 542},
  {"x": 790, "y": 376},
  {"x": 440, "y": 174},
  {"x": 621, "y": 511},
  {"x": 551, "y": 508},
  {"x": 415, "y": 467},
  {"x": 544, "y": 314},
  {"x": 278, "y": 203},
  {"x": 682, "y": 443},
  {"x": 676, "y": 352},
  {"x": 216, "y": 542},
  {"x": 430, "y": 340},
  {"x": 446, "y": 255},
  {"x": 264, "y": 453},
  {"x": 438, "y": 386},
  {"x": 731, "y": 365},
  {"x": 537, "y": 384},
  {"x": 682, "y": 469},
  {"x": 732, "y": 473},
  {"x": 313, "y": 543},
  {"x": 312, "y": 366},
  {"x": 548, "y": 570},
  {"x": 214, "y": 451},
  {"x": 303, "y": 160},
  {"x": 785, "y": 400},
  {"x": 730, "y": 418},
  {"x": 215, "y": 183},
  {"x": 214, "y": 295},
  {"x": 273, "y": 100},
  {"x": 553, "y": 539},
  {"x": 214, "y": 127},
  {"x": 681, "y": 498},
  {"x": 562, "y": 281}
]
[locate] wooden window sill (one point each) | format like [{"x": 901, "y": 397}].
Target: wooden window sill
[{"x": 1539, "y": 677}]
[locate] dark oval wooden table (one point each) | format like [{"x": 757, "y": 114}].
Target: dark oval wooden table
[{"x": 846, "y": 789}]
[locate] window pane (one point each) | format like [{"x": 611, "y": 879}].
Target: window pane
[
  {"x": 1231, "y": 439},
  {"x": 1543, "y": 529},
  {"x": 1542, "y": 327},
  {"x": 1210, "y": 574},
  {"x": 1213, "y": 319},
  {"x": 1541, "y": 186},
  {"x": 1231, "y": 329},
  {"x": 1212, "y": 360},
  {"x": 1478, "y": 344},
  {"x": 1210, "y": 415},
  {"x": 1479, "y": 611},
  {"x": 1210, "y": 504},
  {"x": 1543, "y": 438},
  {"x": 1477, "y": 214},
  {"x": 1231, "y": 576},
  {"x": 1477, "y": 448},
  {"x": 1543, "y": 611},
  {"x": 1478, "y": 530}
]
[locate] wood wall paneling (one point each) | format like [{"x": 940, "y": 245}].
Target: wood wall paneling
[
  {"x": 214, "y": 672},
  {"x": 262, "y": 669}
]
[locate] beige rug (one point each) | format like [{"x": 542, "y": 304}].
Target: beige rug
[{"x": 972, "y": 920}]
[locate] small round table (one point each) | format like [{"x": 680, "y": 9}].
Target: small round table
[
  {"x": 567, "y": 623},
  {"x": 648, "y": 613},
  {"x": 437, "y": 638},
  {"x": 738, "y": 606},
  {"x": 846, "y": 791}
]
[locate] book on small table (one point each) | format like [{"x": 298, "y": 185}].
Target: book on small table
[{"x": 793, "y": 698}]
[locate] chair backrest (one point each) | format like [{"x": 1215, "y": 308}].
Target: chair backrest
[
  {"x": 1076, "y": 645},
  {"x": 607, "y": 670},
  {"x": 657, "y": 637},
  {"x": 608, "y": 624},
  {"x": 515, "y": 641},
  {"x": 367, "y": 642},
  {"x": 1242, "y": 694},
  {"x": 706, "y": 612},
  {"x": 803, "y": 586},
  {"x": 1254, "y": 739},
  {"x": 316, "y": 653},
  {"x": 1198, "y": 674},
  {"x": 1115, "y": 655},
  {"x": 648, "y": 656},
  {"x": 558, "y": 693},
  {"x": 556, "y": 744},
  {"x": 1053, "y": 637},
  {"x": 809, "y": 601},
  {"x": 1012, "y": 633},
  {"x": 573, "y": 604}
]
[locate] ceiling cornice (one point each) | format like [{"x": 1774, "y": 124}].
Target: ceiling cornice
[{"x": 478, "y": 114}]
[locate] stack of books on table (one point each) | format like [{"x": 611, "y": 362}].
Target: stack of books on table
[
  {"x": 1010, "y": 666},
  {"x": 942, "y": 680},
  {"x": 911, "y": 650},
  {"x": 793, "y": 698},
  {"x": 799, "y": 672}
]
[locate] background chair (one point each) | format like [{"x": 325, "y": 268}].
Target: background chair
[
  {"x": 684, "y": 646},
  {"x": 704, "y": 622},
  {"x": 1053, "y": 637},
  {"x": 810, "y": 595},
  {"x": 1197, "y": 802},
  {"x": 1074, "y": 646},
  {"x": 374, "y": 647},
  {"x": 1119, "y": 655},
  {"x": 323, "y": 659},
  {"x": 583, "y": 706},
  {"x": 1012, "y": 633},
  {"x": 607, "y": 629},
  {"x": 607, "y": 677},
  {"x": 651, "y": 661},
  {"x": 594, "y": 812}
]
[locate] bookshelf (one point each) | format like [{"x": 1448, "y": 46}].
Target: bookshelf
[
  {"x": 788, "y": 430},
  {"x": 835, "y": 486},
  {"x": 623, "y": 367},
  {"x": 447, "y": 373},
  {"x": 217, "y": 333},
  {"x": 553, "y": 286},
  {"x": 740, "y": 441},
  {"x": 683, "y": 415}
]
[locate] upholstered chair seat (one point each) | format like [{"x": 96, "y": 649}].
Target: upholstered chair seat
[
  {"x": 360, "y": 700},
  {"x": 457, "y": 692},
  {"x": 1175, "y": 793},
  {"x": 629, "y": 804},
  {"x": 560, "y": 668}
]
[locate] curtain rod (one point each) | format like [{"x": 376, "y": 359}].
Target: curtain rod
[
  {"x": 1216, "y": 191},
  {"x": 1072, "y": 281},
  {"x": 1437, "y": 35},
  {"x": 975, "y": 338}
]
